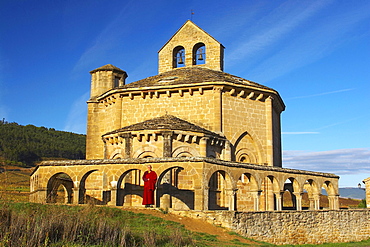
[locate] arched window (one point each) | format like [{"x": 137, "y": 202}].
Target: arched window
[
  {"x": 178, "y": 57},
  {"x": 244, "y": 158},
  {"x": 116, "y": 81},
  {"x": 199, "y": 54}
]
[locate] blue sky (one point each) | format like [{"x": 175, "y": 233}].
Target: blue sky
[{"x": 316, "y": 54}]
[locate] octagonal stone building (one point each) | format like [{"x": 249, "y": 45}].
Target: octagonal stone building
[{"x": 213, "y": 138}]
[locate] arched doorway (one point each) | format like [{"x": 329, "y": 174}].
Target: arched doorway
[
  {"x": 130, "y": 188},
  {"x": 60, "y": 189},
  {"x": 91, "y": 188},
  {"x": 292, "y": 197},
  {"x": 311, "y": 195},
  {"x": 269, "y": 200},
  {"x": 220, "y": 193},
  {"x": 331, "y": 200},
  {"x": 175, "y": 189}
]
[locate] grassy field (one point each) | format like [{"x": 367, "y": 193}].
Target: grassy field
[
  {"x": 15, "y": 184},
  {"x": 30, "y": 224}
]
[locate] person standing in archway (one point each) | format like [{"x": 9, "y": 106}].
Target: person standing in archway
[{"x": 150, "y": 179}]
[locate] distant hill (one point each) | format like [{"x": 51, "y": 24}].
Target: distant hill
[
  {"x": 348, "y": 192},
  {"x": 26, "y": 145},
  {"x": 354, "y": 193}
]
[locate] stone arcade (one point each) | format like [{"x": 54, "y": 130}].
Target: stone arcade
[{"x": 213, "y": 139}]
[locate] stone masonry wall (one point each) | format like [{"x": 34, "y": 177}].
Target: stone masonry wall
[
  {"x": 197, "y": 108},
  {"x": 188, "y": 36},
  {"x": 294, "y": 227}
]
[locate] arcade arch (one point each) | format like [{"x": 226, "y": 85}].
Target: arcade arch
[
  {"x": 312, "y": 194},
  {"x": 220, "y": 191},
  {"x": 270, "y": 194},
  {"x": 59, "y": 189},
  {"x": 183, "y": 187},
  {"x": 247, "y": 193},
  {"x": 129, "y": 188},
  {"x": 175, "y": 189},
  {"x": 91, "y": 188}
]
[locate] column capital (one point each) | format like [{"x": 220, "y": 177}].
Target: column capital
[
  {"x": 298, "y": 193},
  {"x": 167, "y": 133},
  {"x": 127, "y": 135}
]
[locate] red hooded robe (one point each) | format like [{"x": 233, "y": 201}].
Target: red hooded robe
[{"x": 150, "y": 179}]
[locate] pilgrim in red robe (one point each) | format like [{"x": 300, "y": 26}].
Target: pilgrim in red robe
[{"x": 150, "y": 179}]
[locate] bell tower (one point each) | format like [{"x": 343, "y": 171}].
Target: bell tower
[
  {"x": 106, "y": 78},
  {"x": 191, "y": 46}
]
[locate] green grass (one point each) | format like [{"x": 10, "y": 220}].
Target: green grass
[
  {"x": 29, "y": 224},
  {"x": 15, "y": 185}
]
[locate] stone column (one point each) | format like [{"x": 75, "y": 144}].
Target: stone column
[
  {"x": 118, "y": 113},
  {"x": 278, "y": 200},
  {"x": 200, "y": 202},
  {"x": 205, "y": 197},
  {"x": 256, "y": 198},
  {"x": 231, "y": 198},
  {"x": 270, "y": 202},
  {"x": 165, "y": 201},
  {"x": 167, "y": 143},
  {"x": 316, "y": 201},
  {"x": 113, "y": 194},
  {"x": 298, "y": 196},
  {"x": 76, "y": 192},
  {"x": 203, "y": 146},
  {"x": 312, "y": 203},
  {"x": 76, "y": 195},
  {"x": 333, "y": 202},
  {"x": 128, "y": 145},
  {"x": 269, "y": 132},
  {"x": 217, "y": 106}
]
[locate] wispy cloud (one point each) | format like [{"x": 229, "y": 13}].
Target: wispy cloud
[
  {"x": 317, "y": 39},
  {"x": 341, "y": 161},
  {"x": 105, "y": 42},
  {"x": 299, "y": 133},
  {"x": 76, "y": 120},
  {"x": 321, "y": 94},
  {"x": 276, "y": 26},
  {"x": 338, "y": 123}
]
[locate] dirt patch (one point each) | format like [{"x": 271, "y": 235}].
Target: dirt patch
[{"x": 196, "y": 225}]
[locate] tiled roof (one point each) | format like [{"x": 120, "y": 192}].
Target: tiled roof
[
  {"x": 108, "y": 67},
  {"x": 166, "y": 122},
  {"x": 189, "y": 75}
]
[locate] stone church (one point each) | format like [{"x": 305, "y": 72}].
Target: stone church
[{"x": 213, "y": 138}]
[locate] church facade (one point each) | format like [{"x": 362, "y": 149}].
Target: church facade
[{"x": 213, "y": 138}]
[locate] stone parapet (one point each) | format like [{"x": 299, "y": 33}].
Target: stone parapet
[
  {"x": 292, "y": 227},
  {"x": 102, "y": 162}
]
